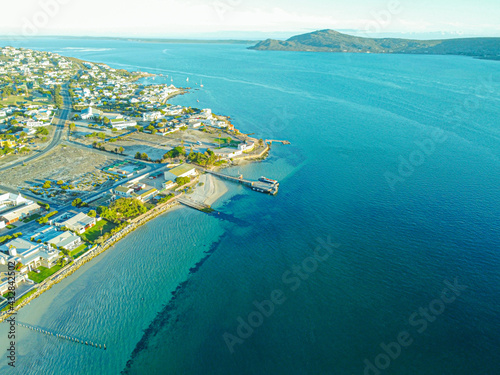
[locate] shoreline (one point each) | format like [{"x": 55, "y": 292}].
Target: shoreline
[{"x": 211, "y": 191}]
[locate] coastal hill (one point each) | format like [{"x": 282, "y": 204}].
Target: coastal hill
[{"x": 333, "y": 41}]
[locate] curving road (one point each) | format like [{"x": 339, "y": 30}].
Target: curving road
[{"x": 63, "y": 117}]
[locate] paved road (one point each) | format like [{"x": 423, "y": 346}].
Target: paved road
[{"x": 63, "y": 117}]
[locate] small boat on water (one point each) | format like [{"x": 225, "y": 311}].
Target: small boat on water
[{"x": 201, "y": 84}]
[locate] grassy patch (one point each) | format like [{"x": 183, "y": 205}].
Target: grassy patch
[
  {"x": 95, "y": 232},
  {"x": 78, "y": 255},
  {"x": 44, "y": 273},
  {"x": 79, "y": 250},
  {"x": 31, "y": 218},
  {"x": 7, "y": 295},
  {"x": 18, "y": 99},
  {"x": 10, "y": 226},
  {"x": 18, "y": 301}
]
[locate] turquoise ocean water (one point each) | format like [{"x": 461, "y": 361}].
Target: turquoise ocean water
[{"x": 394, "y": 158}]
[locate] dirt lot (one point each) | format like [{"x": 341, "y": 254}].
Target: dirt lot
[
  {"x": 63, "y": 163},
  {"x": 83, "y": 129},
  {"x": 156, "y": 145}
]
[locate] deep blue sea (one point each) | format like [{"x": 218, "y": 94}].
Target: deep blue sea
[{"x": 379, "y": 255}]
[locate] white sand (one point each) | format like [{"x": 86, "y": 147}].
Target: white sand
[{"x": 210, "y": 192}]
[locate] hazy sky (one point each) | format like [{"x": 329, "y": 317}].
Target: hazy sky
[{"x": 189, "y": 18}]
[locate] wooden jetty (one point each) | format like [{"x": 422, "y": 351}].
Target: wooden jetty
[
  {"x": 262, "y": 187},
  {"x": 196, "y": 205}
]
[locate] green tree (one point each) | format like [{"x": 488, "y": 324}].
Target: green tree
[
  {"x": 42, "y": 131},
  {"x": 77, "y": 202},
  {"x": 182, "y": 180},
  {"x": 43, "y": 220}
]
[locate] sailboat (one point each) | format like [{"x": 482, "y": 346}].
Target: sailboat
[
  {"x": 187, "y": 79},
  {"x": 201, "y": 83}
]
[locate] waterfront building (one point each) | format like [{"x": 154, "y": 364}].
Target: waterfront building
[
  {"x": 79, "y": 223},
  {"x": 31, "y": 255},
  {"x": 183, "y": 170}
]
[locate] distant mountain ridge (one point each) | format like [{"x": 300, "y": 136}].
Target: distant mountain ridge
[{"x": 333, "y": 41}]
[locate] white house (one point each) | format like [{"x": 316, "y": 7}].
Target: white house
[
  {"x": 174, "y": 111},
  {"x": 8, "y": 200},
  {"x": 248, "y": 146},
  {"x": 19, "y": 212},
  {"x": 124, "y": 191},
  {"x": 79, "y": 223},
  {"x": 220, "y": 124},
  {"x": 6, "y": 281},
  {"x": 66, "y": 240},
  {"x": 30, "y": 255},
  {"x": 207, "y": 113},
  {"x": 151, "y": 116},
  {"x": 121, "y": 123},
  {"x": 34, "y": 124},
  {"x": 227, "y": 153}
]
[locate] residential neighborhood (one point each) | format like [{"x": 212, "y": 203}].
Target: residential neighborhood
[{"x": 87, "y": 150}]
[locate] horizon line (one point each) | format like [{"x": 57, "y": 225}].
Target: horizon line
[{"x": 445, "y": 34}]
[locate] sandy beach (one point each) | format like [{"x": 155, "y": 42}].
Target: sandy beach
[{"x": 210, "y": 192}]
